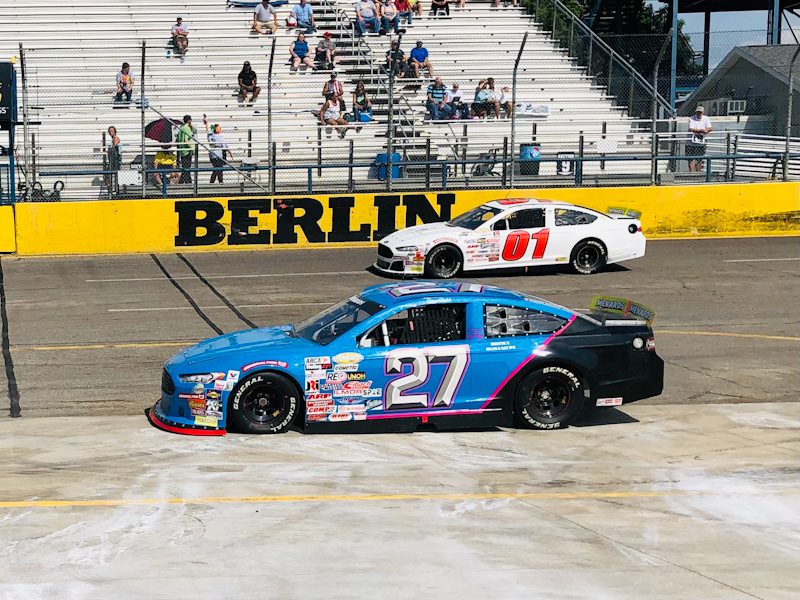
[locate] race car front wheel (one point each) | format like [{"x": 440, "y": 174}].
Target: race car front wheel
[
  {"x": 443, "y": 262},
  {"x": 549, "y": 398},
  {"x": 588, "y": 256},
  {"x": 264, "y": 403}
]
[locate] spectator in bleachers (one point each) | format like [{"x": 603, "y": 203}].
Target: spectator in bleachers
[
  {"x": 485, "y": 99},
  {"x": 366, "y": 16},
  {"x": 335, "y": 87},
  {"x": 418, "y": 59},
  {"x": 165, "y": 161},
  {"x": 248, "y": 84},
  {"x": 455, "y": 100},
  {"x": 416, "y": 6},
  {"x": 438, "y": 6},
  {"x": 390, "y": 17},
  {"x": 299, "y": 53},
  {"x": 113, "y": 159},
  {"x": 326, "y": 52},
  {"x": 362, "y": 105},
  {"x": 395, "y": 60},
  {"x": 186, "y": 146},
  {"x": 218, "y": 150},
  {"x": 304, "y": 15},
  {"x": 124, "y": 83},
  {"x": 330, "y": 115},
  {"x": 265, "y": 19},
  {"x": 437, "y": 100},
  {"x": 505, "y": 3},
  {"x": 180, "y": 37},
  {"x": 505, "y": 101},
  {"x": 404, "y": 10}
]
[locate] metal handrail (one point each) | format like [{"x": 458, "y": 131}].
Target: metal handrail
[{"x": 596, "y": 39}]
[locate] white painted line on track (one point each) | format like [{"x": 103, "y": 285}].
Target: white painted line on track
[
  {"x": 738, "y": 260},
  {"x": 158, "y": 308},
  {"x": 248, "y": 276}
]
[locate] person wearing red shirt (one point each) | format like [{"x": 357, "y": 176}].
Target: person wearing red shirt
[{"x": 404, "y": 10}]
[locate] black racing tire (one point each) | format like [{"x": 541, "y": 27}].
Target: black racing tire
[
  {"x": 588, "y": 257},
  {"x": 264, "y": 403},
  {"x": 443, "y": 262},
  {"x": 549, "y": 398}
]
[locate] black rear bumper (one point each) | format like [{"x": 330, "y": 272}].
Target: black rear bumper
[{"x": 645, "y": 379}]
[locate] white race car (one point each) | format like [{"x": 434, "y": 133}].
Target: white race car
[{"x": 513, "y": 233}]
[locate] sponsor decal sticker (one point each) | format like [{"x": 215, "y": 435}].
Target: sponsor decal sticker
[
  {"x": 345, "y": 368},
  {"x": 320, "y": 410},
  {"x": 350, "y": 400},
  {"x": 199, "y": 388},
  {"x": 348, "y": 358},
  {"x": 336, "y": 376},
  {"x": 340, "y": 417},
  {"x": 313, "y": 397},
  {"x": 197, "y": 403},
  {"x": 312, "y": 385},
  {"x": 316, "y": 374},
  {"x": 192, "y": 397},
  {"x": 609, "y": 402},
  {"x": 351, "y": 408},
  {"x": 198, "y": 412},
  {"x": 357, "y": 385},
  {"x": 206, "y": 421},
  {"x": 374, "y": 404},
  {"x": 316, "y": 362},
  {"x": 354, "y": 376},
  {"x": 372, "y": 393},
  {"x": 266, "y": 363},
  {"x": 212, "y": 395},
  {"x": 219, "y": 385},
  {"x": 319, "y": 403},
  {"x": 359, "y": 416}
]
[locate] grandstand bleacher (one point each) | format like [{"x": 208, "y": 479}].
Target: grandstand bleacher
[{"x": 73, "y": 49}]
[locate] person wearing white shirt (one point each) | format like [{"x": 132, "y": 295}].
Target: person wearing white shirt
[
  {"x": 699, "y": 128},
  {"x": 180, "y": 37}
]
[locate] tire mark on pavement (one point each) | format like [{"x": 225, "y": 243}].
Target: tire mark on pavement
[
  {"x": 218, "y": 294},
  {"x": 11, "y": 377},
  {"x": 186, "y": 295}
]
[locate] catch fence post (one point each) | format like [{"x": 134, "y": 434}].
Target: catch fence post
[{"x": 142, "y": 103}]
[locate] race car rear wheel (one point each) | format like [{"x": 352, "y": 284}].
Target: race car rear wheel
[
  {"x": 549, "y": 398},
  {"x": 443, "y": 262},
  {"x": 589, "y": 256},
  {"x": 264, "y": 403}
]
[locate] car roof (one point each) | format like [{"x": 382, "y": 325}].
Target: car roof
[
  {"x": 389, "y": 294},
  {"x": 395, "y": 293},
  {"x": 506, "y": 203}
]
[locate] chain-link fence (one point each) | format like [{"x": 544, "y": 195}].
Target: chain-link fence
[{"x": 342, "y": 113}]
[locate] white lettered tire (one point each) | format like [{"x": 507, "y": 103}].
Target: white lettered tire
[
  {"x": 588, "y": 257},
  {"x": 549, "y": 398},
  {"x": 264, "y": 403}
]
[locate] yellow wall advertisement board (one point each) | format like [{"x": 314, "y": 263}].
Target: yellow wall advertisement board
[{"x": 213, "y": 224}]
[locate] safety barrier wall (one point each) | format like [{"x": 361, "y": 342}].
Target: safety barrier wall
[
  {"x": 130, "y": 226},
  {"x": 7, "y": 233}
]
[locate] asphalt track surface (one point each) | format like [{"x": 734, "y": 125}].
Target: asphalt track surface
[
  {"x": 694, "y": 494},
  {"x": 88, "y": 335}
]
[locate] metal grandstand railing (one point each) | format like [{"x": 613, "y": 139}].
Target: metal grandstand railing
[{"x": 622, "y": 80}]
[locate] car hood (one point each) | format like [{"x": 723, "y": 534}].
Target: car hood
[
  {"x": 421, "y": 235},
  {"x": 273, "y": 339}
]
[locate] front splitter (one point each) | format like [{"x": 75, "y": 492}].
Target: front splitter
[{"x": 165, "y": 425}]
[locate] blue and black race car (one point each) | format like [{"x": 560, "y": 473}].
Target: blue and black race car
[{"x": 402, "y": 354}]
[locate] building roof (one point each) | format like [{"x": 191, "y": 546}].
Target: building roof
[
  {"x": 774, "y": 60},
  {"x": 694, "y": 6}
]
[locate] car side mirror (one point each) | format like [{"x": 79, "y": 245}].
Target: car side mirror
[{"x": 500, "y": 225}]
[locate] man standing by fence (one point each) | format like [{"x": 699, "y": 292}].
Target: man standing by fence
[
  {"x": 699, "y": 127},
  {"x": 186, "y": 146}
]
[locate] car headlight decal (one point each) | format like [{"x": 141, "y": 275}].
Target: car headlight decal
[{"x": 203, "y": 378}]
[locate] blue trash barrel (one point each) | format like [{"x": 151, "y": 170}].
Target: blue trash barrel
[
  {"x": 529, "y": 155},
  {"x": 382, "y": 159}
]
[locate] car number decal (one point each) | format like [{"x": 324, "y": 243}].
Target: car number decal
[
  {"x": 517, "y": 244},
  {"x": 420, "y": 360}
]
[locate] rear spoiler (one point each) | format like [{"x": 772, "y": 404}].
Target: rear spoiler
[
  {"x": 608, "y": 308},
  {"x": 616, "y": 212}
]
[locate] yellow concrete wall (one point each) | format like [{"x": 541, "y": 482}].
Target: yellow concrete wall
[
  {"x": 129, "y": 226},
  {"x": 7, "y": 233}
]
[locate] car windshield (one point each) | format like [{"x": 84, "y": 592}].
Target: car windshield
[
  {"x": 476, "y": 217},
  {"x": 336, "y": 320}
]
